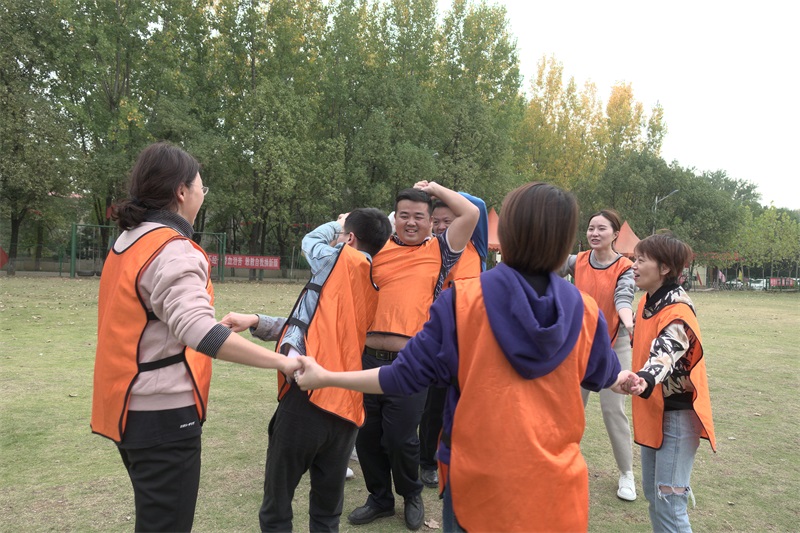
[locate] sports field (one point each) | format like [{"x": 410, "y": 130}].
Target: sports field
[{"x": 56, "y": 476}]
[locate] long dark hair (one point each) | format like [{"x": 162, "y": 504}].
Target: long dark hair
[{"x": 158, "y": 172}]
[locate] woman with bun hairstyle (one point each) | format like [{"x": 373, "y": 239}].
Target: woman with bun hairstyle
[
  {"x": 513, "y": 347},
  {"x": 672, "y": 409},
  {"x": 606, "y": 275},
  {"x": 157, "y": 336}
]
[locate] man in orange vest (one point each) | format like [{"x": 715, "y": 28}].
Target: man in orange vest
[
  {"x": 313, "y": 431},
  {"x": 470, "y": 265},
  {"x": 410, "y": 271}
]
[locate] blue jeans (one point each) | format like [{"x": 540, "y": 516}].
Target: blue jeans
[
  {"x": 449, "y": 522},
  {"x": 670, "y": 467}
]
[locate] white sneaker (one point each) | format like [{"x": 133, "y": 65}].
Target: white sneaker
[
  {"x": 350, "y": 475},
  {"x": 627, "y": 487},
  {"x": 354, "y": 455}
]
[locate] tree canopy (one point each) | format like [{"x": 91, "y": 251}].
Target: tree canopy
[{"x": 299, "y": 110}]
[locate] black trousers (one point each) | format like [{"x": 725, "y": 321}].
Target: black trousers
[
  {"x": 165, "y": 481},
  {"x": 387, "y": 445},
  {"x": 430, "y": 426},
  {"x": 304, "y": 438}
]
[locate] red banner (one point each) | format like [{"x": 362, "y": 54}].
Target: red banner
[{"x": 259, "y": 262}]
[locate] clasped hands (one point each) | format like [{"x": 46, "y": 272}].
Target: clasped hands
[
  {"x": 629, "y": 383},
  {"x": 309, "y": 375}
]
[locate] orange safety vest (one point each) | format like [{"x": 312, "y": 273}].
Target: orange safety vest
[
  {"x": 532, "y": 429},
  {"x": 407, "y": 276},
  {"x": 468, "y": 265},
  {"x": 122, "y": 317},
  {"x": 337, "y": 330},
  {"x": 648, "y": 414},
  {"x": 600, "y": 284}
]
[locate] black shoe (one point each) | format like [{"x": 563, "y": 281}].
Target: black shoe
[
  {"x": 366, "y": 514},
  {"x": 414, "y": 511},
  {"x": 429, "y": 478}
]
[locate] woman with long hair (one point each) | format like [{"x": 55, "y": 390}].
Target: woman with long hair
[
  {"x": 157, "y": 336},
  {"x": 605, "y": 274}
]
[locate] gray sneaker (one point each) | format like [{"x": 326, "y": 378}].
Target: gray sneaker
[{"x": 429, "y": 478}]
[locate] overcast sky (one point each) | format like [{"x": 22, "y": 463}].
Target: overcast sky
[{"x": 726, "y": 74}]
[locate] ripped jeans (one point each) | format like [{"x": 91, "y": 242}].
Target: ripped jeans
[{"x": 666, "y": 472}]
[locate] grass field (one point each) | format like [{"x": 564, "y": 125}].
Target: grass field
[{"x": 56, "y": 476}]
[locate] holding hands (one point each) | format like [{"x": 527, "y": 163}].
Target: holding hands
[
  {"x": 629, "y": 383},
  {"x": 310, "y": 375},
  {"x": 238, "y": 322}
]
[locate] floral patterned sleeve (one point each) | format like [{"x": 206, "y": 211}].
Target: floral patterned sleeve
[{"x": 666, "y": 357}]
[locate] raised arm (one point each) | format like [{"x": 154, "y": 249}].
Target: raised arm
[{"x": 466, "y": 214}]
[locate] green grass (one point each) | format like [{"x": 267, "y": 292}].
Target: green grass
[{"x": 56, "y": 476}]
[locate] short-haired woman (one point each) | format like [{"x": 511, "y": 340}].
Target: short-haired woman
[{"x": 672, "y": 411}]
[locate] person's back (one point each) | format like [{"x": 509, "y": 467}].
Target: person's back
[
  {"x": 329, "y": 322},
  {"x": 551, "y": 353}
]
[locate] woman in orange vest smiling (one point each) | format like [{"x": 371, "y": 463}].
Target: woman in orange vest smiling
[
  {"x": 606, "y": 275},
  {"x": 513, "y": 346},
  {"x": 672, "y": 411},
  {"x": 156, "y": 337}
]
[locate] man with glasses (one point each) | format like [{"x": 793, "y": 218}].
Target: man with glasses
[{"x": 316, "y": 431}]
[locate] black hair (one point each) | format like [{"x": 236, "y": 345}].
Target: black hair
[
  {"x": 371, "y": 227},
  {"x": 414, "y": 195},
  {"x": 158, "y": 172}
]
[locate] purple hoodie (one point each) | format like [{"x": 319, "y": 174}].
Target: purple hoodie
[{"x": 536, "y": 333}]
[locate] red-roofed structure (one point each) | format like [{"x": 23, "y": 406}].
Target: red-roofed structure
[{"x": 626, "y": 241}]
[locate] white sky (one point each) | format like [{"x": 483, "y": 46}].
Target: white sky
[{"x": 725, "y": 72}]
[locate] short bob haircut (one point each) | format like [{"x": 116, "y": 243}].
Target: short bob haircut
[
  {"x": 414, "y": 195},
  {"x": 666, "y": 250},
  {"x": 158, "y": 172},
  {"x": 537, "y": 228}
]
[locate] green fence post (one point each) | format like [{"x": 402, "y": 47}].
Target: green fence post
[{"x": 222, "y": 243}]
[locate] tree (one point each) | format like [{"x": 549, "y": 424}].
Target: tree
[
  {"x": 564, "y": 132},
  {"x": 100, "y": 88},
  {"x": 479, "y": 106},
  {"x": 34, "y": 148}
]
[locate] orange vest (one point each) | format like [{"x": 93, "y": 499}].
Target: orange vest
[
  {"x": 121, "y": 320},
  {"x": 407, "y": 276},
  {"x": 468, "y": 265},
  {"x": 531, "y": 429},
  {"x": 337, "y": 331},
  {"x": 648, "y": 414},
  {"x": 600, "y": 284}
]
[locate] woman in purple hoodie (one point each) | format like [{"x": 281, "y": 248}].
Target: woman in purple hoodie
[{"x": 514, "y": 347}]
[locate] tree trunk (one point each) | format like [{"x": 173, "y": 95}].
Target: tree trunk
[
  {"x": 11, "y": 268},
  {"x": 37, "y": 261}
]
